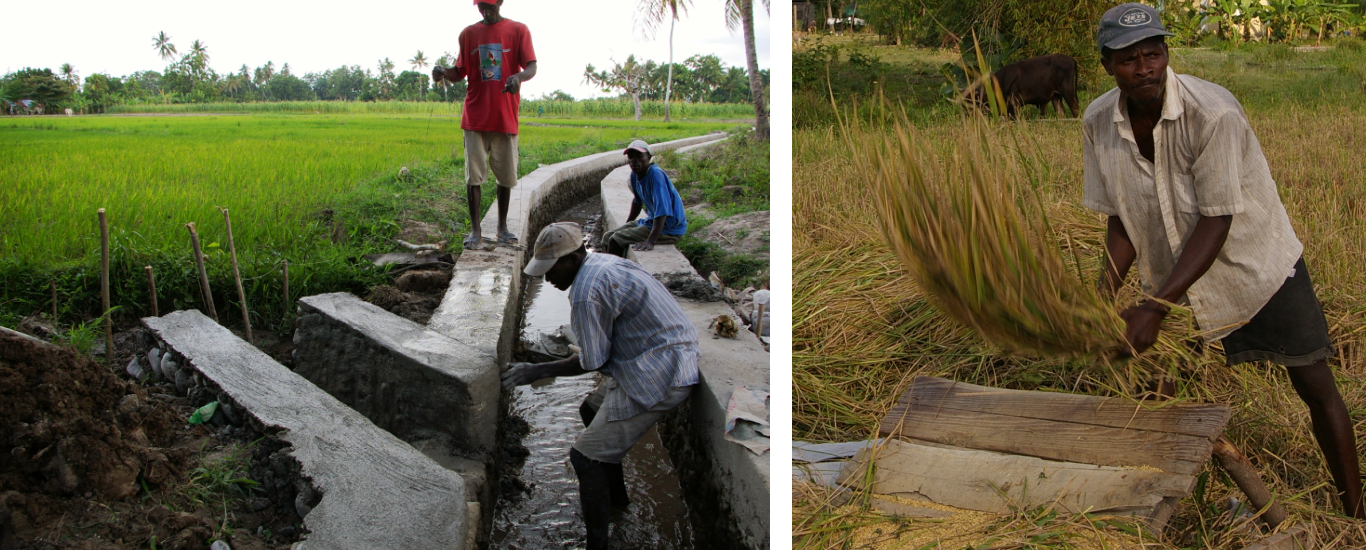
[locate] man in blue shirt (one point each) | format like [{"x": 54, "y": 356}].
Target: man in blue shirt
[
  {"x": 664, "y": 221},
  {"x": 630, "y": 329}
]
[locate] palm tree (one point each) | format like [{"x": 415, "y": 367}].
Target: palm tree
[
  {"x": 69, "y": 74},
  {"x": 741, "y": 13},
  {"x": 419, "y": 61},
  {"x": 652, "y": 13},
  {"x": 198, "y": 58},
  {"x": 162, "y": 44}
]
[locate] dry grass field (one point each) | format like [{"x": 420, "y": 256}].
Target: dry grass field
[{"x": 862, "y": 330}]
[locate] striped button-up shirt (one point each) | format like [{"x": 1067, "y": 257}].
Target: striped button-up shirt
[
  {"x": 1206, "y": 162},
  {"x": 631, "y": 328}
]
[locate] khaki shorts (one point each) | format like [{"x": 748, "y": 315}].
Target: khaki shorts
[
  {"x": 483, "y": 149},
  {"x": 631, "y": 233},
  {"x": 608, "y": 441}
]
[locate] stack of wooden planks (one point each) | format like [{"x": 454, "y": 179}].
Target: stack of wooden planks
[{"x": 990, "y": 450}]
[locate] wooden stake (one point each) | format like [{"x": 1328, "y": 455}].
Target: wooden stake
[
  {"x": 152, "y": 290},
  {"x": 104, "y": 286},
  {"x": 237, "y": 275},
  {"x": 1245, "y": 475},
  {"x": 287, "y": 288},
  {"x": 203, "y": 274}
]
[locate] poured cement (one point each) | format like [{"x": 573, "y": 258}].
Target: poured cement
[{"x": 377, "y": 492}]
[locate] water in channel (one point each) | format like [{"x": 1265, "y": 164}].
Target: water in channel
[{"x": 548, "y": 515}]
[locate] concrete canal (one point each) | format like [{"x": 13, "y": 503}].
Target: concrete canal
[{"x": 541, "y": 509}]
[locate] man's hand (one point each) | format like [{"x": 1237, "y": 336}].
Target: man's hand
[
  {"x": 514, "y": 83},
  {"x": 521, "y": 374},
  {"x": 1142, "y": 324},
  {"x": 643, "y": 246},
  {"x": 438, "y": 74}
]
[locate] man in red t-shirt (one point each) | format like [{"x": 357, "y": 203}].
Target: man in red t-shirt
[{"x": 497, "y": 56}]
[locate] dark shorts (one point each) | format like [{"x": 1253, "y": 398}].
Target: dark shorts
[{"x": 1289, "y": 330}]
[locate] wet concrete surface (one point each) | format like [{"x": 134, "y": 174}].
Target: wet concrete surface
[{"x": 547, "y": 515}]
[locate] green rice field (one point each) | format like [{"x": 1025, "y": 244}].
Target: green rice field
[{"x": 316, "y": 190}]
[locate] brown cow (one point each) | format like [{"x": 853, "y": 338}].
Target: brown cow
[{"x": 1039, "y": 80}]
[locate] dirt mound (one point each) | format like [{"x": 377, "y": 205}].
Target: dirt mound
[
  {"x": 746, "y": 233},
  {"x": 423, "y": 281},
  {"x": 68, "y": 426}
]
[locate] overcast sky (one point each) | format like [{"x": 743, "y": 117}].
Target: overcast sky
[{"x": 116, "y": 37}]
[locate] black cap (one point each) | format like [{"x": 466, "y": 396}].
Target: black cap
[{"x": 1126, "y": 24}]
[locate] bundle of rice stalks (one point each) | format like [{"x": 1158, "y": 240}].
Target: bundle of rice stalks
[{"x": 969, "y": 228}]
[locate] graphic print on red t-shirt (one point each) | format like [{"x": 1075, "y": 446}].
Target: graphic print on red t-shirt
[{"x": 491, "y": 62}]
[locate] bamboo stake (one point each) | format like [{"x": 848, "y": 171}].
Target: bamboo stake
[
  {"x": 203, "y": 275},
  {"x": 286, "y": 288},
  {"x": 53, "y": 284},
  {"x": 237, "y": 275},
  {"x": 152, "y": 290},
  {"x": 104, "y": 286}
]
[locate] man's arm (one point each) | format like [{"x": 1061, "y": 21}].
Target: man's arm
[
  {"x": 635, "y": 210},
  {"x": 1119, "y": 256},
  {"x": 521, "y": 374},
  {"x": 514, "y": 82},
  {"x": 1201, "y": 249},
  {"x": 656, "y": 227}
]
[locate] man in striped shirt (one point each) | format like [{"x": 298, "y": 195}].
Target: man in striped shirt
[
  {"x": 1174, "y": 164},
  {"x": 632, "y": 330}
]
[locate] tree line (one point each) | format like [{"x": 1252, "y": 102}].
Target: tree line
[{"x": 189, "y": 78}]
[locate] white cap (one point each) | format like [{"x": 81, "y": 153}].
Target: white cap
[
  {"x": 556, "y": 240},
  {"x": 639, "y": 145}
]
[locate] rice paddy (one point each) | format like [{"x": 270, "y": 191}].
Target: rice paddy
[
  {"x": 312, "y": 189},
  {"x": 863, "y": 329}
]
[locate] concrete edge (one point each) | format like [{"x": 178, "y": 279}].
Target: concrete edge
[{"x": 377, "y": 491}]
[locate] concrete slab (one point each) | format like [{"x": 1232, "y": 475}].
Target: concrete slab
[
  {"x": 721, "y": 473},
  {"x": 416, "y": 383},
  {"x": 377, "y": 491}
]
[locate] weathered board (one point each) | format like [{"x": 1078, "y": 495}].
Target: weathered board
[
  {"x": 1294, "y": 538},
  {"x": 1196, "y": 419},
  {"x": 993, "y": 482},
  {"x": 1056, "y": 426}
]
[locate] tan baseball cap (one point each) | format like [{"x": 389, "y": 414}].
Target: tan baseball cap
[
  {"x": 556, "y": 240},
  {"x": 639, "y": 145}
]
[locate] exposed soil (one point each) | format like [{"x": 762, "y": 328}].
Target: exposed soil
[
  {"x": 746, "y": 233},
  {"x": 90, "y": 458}
]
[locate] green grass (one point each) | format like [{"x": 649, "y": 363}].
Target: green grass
[
  {"x": 317, "y": 190},
  {"x": 589, "y": 108},
  {"x": 716, "y": 173}
]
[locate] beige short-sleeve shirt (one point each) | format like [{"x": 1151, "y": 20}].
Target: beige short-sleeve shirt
[{"x": 1206, "y": 162}]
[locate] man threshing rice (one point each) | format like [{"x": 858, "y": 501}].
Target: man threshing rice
[
  {"x": 1173, "y": 162},
  {"x": 490, "y": 51},
  {"x": 652, "y": 192},
  {"x": 629, "y": 328}
]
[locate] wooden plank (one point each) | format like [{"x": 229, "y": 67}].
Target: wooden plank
[
  {"x": 1049, "y": 439},
  {"x": 1196, "y": 419},
  {"x": 1294, "y": 538},
  {"x": 992, "y": 482}
]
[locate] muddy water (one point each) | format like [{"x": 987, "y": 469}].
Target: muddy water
[{"x": 548, "y": 516}]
